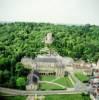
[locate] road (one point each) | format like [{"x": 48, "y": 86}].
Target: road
[{"x": 30, "y": 93}]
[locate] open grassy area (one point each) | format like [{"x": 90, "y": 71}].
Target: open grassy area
[
  {"x": 81, "y": 76},
  {"x": 62, "y": 81},
  {"x": 47, "y": 78},
  {"x": 68, "y": 97},
  {"x": 52, "y": 97},
  {"x": 13, "y": 98},
  {"x": 46, "y": 86}
]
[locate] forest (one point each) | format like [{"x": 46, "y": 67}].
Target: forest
[{"x": 21, "y": 39}]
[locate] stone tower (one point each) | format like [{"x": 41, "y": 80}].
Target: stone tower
[{"x": 49, "y": 38}]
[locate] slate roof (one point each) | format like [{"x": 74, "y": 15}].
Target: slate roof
[{"x": 50, "y": 60}]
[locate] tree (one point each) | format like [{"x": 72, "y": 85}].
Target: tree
[
  {"x": 21, "y": 82},
  {"x": 12, "y": 82},
  {"x": 25, "y": 39},
  {"x": 6, "y": 75},
  {"x": 20, "y": 70},
  {"x": 1, "y": 76}
]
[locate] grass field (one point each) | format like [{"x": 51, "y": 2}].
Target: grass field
[
  {"x": 81, "y": 76},
  {"x": 68, "y": 97},
  {"x": 62, "y": 81},
  {"x": 46, "y": 86},
  {"x": 52, "y": 97},
  {"x": 13, "y": 98},
  {"x": 47, "y": 78}
]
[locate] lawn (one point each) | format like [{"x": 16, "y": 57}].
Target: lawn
[
  {"x": 47, "y": 78},
  {"x": 52, "y": 97},
  {"x": 68, "y": 97},
  {"x": 81, "y": 76},
  {"x": 13, "y": 98},
  {"x": 46, "y": 86},
  {"x": 62, "y": 81}
]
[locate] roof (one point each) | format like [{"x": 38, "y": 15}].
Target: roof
[
  {"x": 46, "y": 58},
  {"x": 51, "y": 60}
]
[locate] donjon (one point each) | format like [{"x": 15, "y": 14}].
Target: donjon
[{"x": 51, "y": 63}]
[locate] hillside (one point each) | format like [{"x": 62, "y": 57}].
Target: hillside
[{"x": 25, "y": 39}]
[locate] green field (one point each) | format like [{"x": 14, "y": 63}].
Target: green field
[
  {"x": 81, "y": 76},
  {"x": 46, "y": 86},
  {"x": 64, "y": 81},
  {"x": 47, "y": 78},
  {"x": 52, "y": 97},
  {"x": 13, "y": 98},
  {"x": 68, "y": 97}
]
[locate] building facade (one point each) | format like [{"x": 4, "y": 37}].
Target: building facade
[{"x": 50, "y": 64}]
